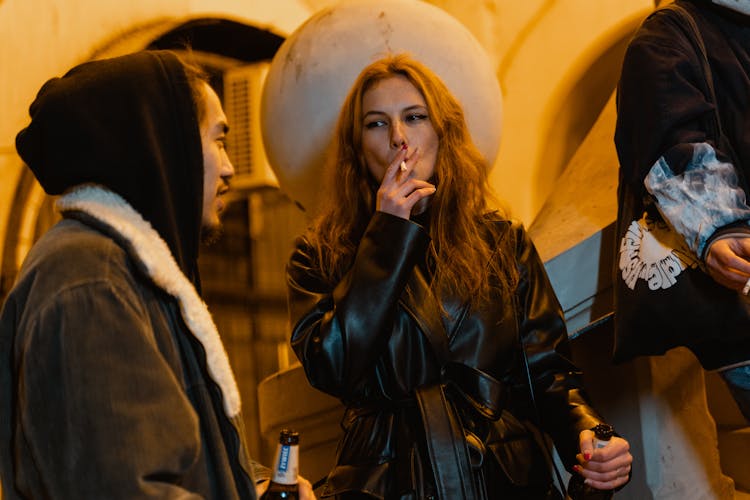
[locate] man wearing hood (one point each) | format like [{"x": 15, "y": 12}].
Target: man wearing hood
[
  {"x": 683, "y": 270},
  {"x": 114, "y": 382}
]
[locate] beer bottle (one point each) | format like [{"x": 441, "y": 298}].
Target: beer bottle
[
  {"x": 577, "y": 490},
  {"x": 285, "y": 468}
]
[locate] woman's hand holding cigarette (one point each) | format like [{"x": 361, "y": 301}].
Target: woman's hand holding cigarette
[{"x": 399, "y": 191}]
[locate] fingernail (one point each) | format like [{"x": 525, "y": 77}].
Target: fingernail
[
  {"x": 403, "y": 166},
  {"x": 587, "y": 456},
  {"x": 404, "y": 147},
  {"x": 577, "y": 468}
]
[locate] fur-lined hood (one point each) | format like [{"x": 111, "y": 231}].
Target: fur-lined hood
[
  {"x": 128, "y": 123},
  {"x": 154, "y": 257}
]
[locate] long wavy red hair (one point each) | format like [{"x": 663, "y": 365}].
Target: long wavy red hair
[{"x": 466, "y": 249}]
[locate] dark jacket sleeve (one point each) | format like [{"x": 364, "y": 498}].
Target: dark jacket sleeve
[
  {"x": 661, "y": 101},
  {"x": 101, "y": 414},
  {"x": 563, "y": 406},
  {"x": 339, "y": 331},
  {"x": 667, "y": 135}
]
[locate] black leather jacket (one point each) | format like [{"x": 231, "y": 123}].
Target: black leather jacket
[{"x": 436, "y": 408}]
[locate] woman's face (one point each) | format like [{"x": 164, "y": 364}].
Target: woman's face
[{"x": 394, "y": 113}]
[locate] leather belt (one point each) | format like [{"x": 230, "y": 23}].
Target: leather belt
[
  {"x": 449, "y": 445},
  {"x": 446, "y": 438}
]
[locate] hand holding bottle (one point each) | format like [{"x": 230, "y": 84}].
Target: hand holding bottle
[
  {"x": 285, "y": 483},
  {"x": 604, "y": 462},
  {"x": 305, "y": 489}
]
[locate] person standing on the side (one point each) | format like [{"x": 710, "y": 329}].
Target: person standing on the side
[
  {"x": 114, "y": 382},
  {"x": 672, "y": 155}
]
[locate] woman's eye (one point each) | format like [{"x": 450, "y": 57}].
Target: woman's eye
[
  {"x": 374, "y": 124},
  {"x": 415, "y": 117}
]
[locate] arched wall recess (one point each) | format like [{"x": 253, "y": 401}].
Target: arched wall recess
[{"x": 29, "y": 201}]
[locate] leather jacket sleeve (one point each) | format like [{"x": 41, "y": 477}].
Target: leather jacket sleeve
[
  {"x": 563, "y": 407},
  {"x": 339, "y": 331}
]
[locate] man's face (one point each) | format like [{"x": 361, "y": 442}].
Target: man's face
[{"x": 217, "y": 169}]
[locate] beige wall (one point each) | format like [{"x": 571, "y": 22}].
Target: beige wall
[{"x": 538, "y": 69}]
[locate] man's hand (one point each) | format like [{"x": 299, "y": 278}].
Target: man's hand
[
  {"x": 728, "y": 262},
  {"x": 305, "y": 488}
]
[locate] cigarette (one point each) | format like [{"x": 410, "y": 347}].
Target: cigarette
[{"x": 403, "y": 166}]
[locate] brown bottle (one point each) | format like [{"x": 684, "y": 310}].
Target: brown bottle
[
  {"x": 577, "y": 490},
  {"x": 285, "y": 468}
]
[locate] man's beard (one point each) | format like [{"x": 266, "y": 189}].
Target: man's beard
[{"x": 210, "y": 234}]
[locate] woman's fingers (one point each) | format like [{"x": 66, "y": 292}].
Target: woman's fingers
[
  {"x": 610, "y": 478},
  {"x": 407, "y": 164},
  {"x": 394, "y": 169},
  {"x": 401, "y": 166},
  {"x": 401, "y": 200},
  {"x": 620, "y": 478},
  {"x": 400, "y": 191},
  {"x": 607, "y": 467},
  {"x": 419, "y": 193}
]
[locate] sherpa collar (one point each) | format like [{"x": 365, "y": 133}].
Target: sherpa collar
[{"x": 157, "y": 260}]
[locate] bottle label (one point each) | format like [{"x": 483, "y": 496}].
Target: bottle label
[
  {"x": 598, "y": 443},
  {"x": 284, "y": 459},
  {"x": 287, "y": 460}
]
